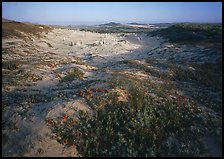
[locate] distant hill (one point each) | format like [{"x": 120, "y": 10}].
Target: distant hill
[
  {"x": 111, "y": 24},
  {"x": 137, "y": 24},
  {"x": 163, "y": 25},
  {"x": 7, "y": 20}
]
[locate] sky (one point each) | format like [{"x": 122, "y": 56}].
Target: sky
[{"x": 89, "y": 13}]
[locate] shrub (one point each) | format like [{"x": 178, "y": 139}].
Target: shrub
[
  {"x": 31, "y": 77},
  {"x": 138, "y": 130},
  {"x": 144, "y": 126},
  {"x": 74, "y": 73},
  {"x": 191, "y": 33},
  {"x": 11, "y": 65},
  {"x": 209, "y": 74},
  {"x": 6, "y": 51}
]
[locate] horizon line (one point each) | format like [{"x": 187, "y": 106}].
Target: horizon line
[{"x": 96, "y": 22}]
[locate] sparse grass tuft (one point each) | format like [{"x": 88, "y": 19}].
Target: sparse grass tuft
[
  {"x": 31, "y": 77},
  {"x": 78, "y": 60},
  {"x": 6, "y": 51},
  {"x": 11, "y": 65},
  {"x": 74, "y": 73},
  {"x": 18, "y": 77}
]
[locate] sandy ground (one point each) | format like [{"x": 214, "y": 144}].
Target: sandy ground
[{"x": 28, "y": 133}]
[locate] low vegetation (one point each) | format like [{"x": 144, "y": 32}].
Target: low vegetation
[
  {"x": 6, "y": 51},
  {"x": 209, "y": 74},
  {"x": 192, "y": 33},
  {"x": 206, "y": 76},
  {"x": 17, "y": 76},
  {"x": 18, "y": 29},
  {"x": 142, "y": 126},
  {"x": 74, "y": 73},
  {"x": 78, "y": 60},
  {"x": 10, "y": 65},
  {"x": 144, "y": 67},
  {"x": 31, "y": 77}
]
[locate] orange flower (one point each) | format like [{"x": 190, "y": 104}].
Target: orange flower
[{"x": 65, "y": 118}]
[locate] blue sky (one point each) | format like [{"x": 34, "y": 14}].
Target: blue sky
[{"x": 65, "y": 13}]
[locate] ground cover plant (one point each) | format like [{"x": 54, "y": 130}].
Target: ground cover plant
[
  {"x": 74, "y": 73},
  {"x": 142, "y": 126},
  {"x": 191, "y": 33}
]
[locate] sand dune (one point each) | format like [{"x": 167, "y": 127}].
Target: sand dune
[{"x": 31, "y": 102}]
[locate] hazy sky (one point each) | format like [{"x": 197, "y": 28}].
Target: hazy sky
[{"x": 65, "y": 13}]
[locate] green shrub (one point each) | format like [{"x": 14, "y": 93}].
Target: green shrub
[
  {"x": 31, "y": 77},
  {"x": 209, "y": 74},
  {"x": 138, "y": 130},
  {"x": 191, "y": 33},
  {"x": 6, "y": 51},
  {"x": 11, "y": 65},
  {"x": 74, "y": 73},
  {"x": 144, "y": 126}
]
